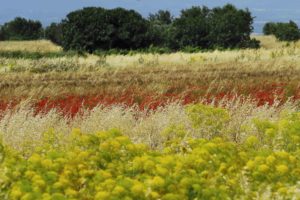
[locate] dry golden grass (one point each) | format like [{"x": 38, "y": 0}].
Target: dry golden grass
[
  {"x": 144, "y": 72},
  {"x": 22, "y": 129},
  {"x": 91, "y": 78},
  {"x": 272, "y": 51},
  {"x": 148, "y": 72},
  {"x": 223, "y": 77},
  {"x": 221, "y": 59},
  {"x": 270, "y": 42},
  {"x": 29, "y": 46}
]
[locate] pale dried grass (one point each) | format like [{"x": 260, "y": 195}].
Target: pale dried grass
[
  {"x": 22, "y": 129},
  {"x": 29, "y": 46}
]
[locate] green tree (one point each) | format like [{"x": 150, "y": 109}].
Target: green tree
[
  {"x": 160, "y": 28},
  {"x": 129, "y": 29},
  {"x": 230, "y": 27},
  {"x": 92, "y": 29},
  {"x": 163, "y": 17},
  {"x": 287, "y": 31},
  {"x": 54, "y": 33},
  {"x": 192, "y": 28},
  {"x": 2, "y": 36},
  {"x": 283, "y": 31},
  {"x": 22, "y": 29},
  {"x": 269, "y": 28},
  {"x": 86, "y": 30}
]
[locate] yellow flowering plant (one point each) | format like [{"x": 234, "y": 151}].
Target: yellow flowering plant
[{"x": 108, "y": 165}]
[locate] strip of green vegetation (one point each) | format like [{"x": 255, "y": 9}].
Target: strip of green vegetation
[
  {"x": 36, "y": 55},
  {"x": 150, "y": 50}
]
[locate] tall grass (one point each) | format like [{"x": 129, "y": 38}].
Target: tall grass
[
  {"x": 22, "y": 128},
  {"x": 251, "y": 59},
  {"x": 41, "y": 46}
]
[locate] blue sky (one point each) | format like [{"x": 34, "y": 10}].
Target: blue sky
[{"x": 54, "y": 10}]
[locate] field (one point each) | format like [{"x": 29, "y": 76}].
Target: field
[{"x": 211, "y": 125}]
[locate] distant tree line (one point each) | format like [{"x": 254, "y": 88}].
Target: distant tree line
[
  {"x": 97, "y": 29},
  {"x": 283, "y": 31},
  {"x": 21, "y": 29}
]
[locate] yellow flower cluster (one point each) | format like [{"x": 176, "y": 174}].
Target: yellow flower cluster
[{"x": 107, "y": 165}]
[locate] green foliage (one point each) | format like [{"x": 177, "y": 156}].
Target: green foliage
[
  {"x": 283, "y": 134},
  {"x": 2, "y": 152},
  {"x": 98, "y": 29},
  {"x": 269, "y": 28},
  {"x": 54, "y": 33},
  {"x": 129, "y": 29},
  {"x": 107, "y": 165},
  {"x": 163, "y": 17},
  {"x": 283, "y": 31},
  {"x": 252, "y": 44},
  {"x": 221, "y": 27},
  {"x": 95, "y": 29},
  {"x": 190, "y": 49},
  {"x": 160, "y": 29},
  {"x": 192, "y": 28},
  {"x": 35, "y": 55},
  {"x": 2, "y": 35},
  {"x": 230, "y": 27},
  {"x": 213, "y": 119},
  {"x": 21, "y": 29},
  {"x": 85, "y": 30},
  {"x": 276, "y": 170},
  {"x": 92, "y": 29}
]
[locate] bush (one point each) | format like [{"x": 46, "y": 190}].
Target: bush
[
  {"x": 2, "y": 36},
  {"x": 283, "y": 31},
  {"x": 129, "y": 29},
  {"x": 35, "y": 55},
  {"x": 54, "y": 33},
  {"x": 85, "y": 30},
  {"x": 160, "y": 28},
  {"x": 98, "y": 29},
  {"x": 222, "y": 27},
  {"x": 107, "y": 165},
  {"x": 192, "y": 28},
  {"x": 269, "y": 28},
  {"x": 287, "y": 31},
  {"x": 21, "y": 29},
  {"x": 93, "y": 29},
  {"x": 252, "y": 44},
  {"x": 230, "y": 27}
]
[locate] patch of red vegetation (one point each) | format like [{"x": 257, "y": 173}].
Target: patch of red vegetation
[{"x": 71, "y": 105}]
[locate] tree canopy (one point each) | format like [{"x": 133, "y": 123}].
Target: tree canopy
[
  {"x": 283, "y": 31},
  {"x": 98, "y": 29},
  {"x": 21, "y": 29}
]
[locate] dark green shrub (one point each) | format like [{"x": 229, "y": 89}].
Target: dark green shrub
[
  {"x": 190, "y": 49},
  {"x": 192, "y": 28},
  {"x": 287, "y": 31},
  {"x": 283, "y": 31},
  {"x": 93, "y": 29},
  {"x": 54, "y": 33},
  {"x": 222, "y": 27},
  {"x": 36, "y": 55},
  {"x": 198, "y": 28},
  {"x": 230, "y": 27},
  {"x": 269, "y": 28},
  {"x": 2, "y": 36},
  {"x": 252, "y": 44},
  {"x": 160, "y": 27},
  {"x": 22, "y": 29}
]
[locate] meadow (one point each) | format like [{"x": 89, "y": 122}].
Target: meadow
[{"x": 207, "y": 125}]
